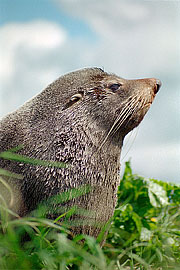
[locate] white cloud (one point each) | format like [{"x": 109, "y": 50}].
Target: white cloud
[
  {"x": 27, "y": 53},
  {"x": 37, "y": 35},
  {"x": 137, "y": 37}
]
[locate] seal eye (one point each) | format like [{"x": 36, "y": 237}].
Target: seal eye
[{"x": 114, "y": 87}]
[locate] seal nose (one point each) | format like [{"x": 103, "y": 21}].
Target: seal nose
[{"x": 158, "y": 85}]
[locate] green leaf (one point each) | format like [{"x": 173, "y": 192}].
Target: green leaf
[
  {"x": 157, "y": 194},
  {"x": 10, "y": 174},
  {"x": 140, "y": 260},
  {"x": 137, "y": 221},
  {"x": 9, "y": 155},
  {"x": 145, "y": 234},
  {"x": 127, "y": 170}
]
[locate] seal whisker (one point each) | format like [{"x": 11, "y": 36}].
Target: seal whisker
[
  {"x": 137, "y": 106},
  {"x": 131, "y": 110},
  {"x": 124, "y": 113}
]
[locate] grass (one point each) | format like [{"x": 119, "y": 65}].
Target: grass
[{"x": 144, "y": 234}]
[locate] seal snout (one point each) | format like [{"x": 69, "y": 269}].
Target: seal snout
[
  {"x": 158, "y": 85},
  {"x": 155, "y": 84}
]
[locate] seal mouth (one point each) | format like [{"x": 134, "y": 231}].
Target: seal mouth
[
  {"x": 150, "y": 101},
  {"x": 146, "y": 107}
]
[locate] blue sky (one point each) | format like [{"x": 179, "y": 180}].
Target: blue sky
[
  {"x": 24, "y": 11},
  {"x": 42, "y": 39}
]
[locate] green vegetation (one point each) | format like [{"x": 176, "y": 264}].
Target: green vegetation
[
  {"x": 146, "y": 225},
  {"x": 12, "y": 155},
  {"x": 145, "y": 233}
]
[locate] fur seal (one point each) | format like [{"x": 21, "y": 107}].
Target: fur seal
[{"x": 80, "y": 119}]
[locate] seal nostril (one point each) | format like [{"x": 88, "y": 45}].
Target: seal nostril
[{"x": 158, "y": 85}]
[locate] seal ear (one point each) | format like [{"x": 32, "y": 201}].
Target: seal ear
[{"x": 75, "y": 98}]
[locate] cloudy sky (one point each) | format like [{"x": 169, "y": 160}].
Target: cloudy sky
[{"x": 43, "y": 39}]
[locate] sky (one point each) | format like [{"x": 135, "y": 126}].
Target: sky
[{"x": 41, "y": 40}]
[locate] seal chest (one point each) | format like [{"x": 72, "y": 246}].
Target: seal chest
[{"x": 80, "y": 119}]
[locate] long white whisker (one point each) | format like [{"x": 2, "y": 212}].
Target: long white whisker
[
  {"x": 111, "y": 129},
  {"x": 125, "y": 116},
  {"x": 138, "y": 106},
  {"x": 125, "y": 112},
  {"x": 131, "y": 110}
]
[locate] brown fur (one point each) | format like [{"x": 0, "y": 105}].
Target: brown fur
[{"x": 71, "y": 121}]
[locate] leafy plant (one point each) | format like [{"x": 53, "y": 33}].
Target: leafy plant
[
  {"x": 144, "y": 233},
  {"x": 37, "y": 243},
  {"x": 146, "y": 223}
]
